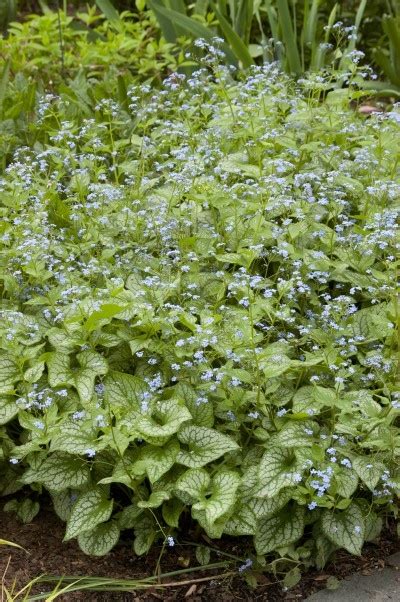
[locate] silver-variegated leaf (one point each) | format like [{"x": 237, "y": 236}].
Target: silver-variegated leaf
[
  {"x": 8, "y": 409},
  {"x": 91, "y": 360},
  {"x": 192, "y": 485},
  {"x": 100, "y": 540},
  {"x": 58, "y": 368},
  {"x": 200, "y": 408},
  {"x": 124, "y": 390},
  {"x": 346, "y": 481},
  {"x": 346, "y": 529},
  {"x": 222, "y": 495},
  {"x": 155, "y": 500},
  {"x": 280, "y": 530},
  {"x": 369, "y": 469},
  {"x": 9, "y": 374},
  {"x": 58, "y": 472},
  {"x": 75, "y": 438},
  {"x": 165, "y": 421},
  {"x": 145, "y": 534},
  {"x": 156, "y": 461},
  {"x": 243, "y": 521},
  {"x": 279, "y": 468},
  {"x": 265, "y": 507},
  {"x": 90, "y": 509},
  {"x": 204, "y": 445}
]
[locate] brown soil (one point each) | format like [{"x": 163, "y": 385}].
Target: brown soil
[{"x": 46, "y": 554}]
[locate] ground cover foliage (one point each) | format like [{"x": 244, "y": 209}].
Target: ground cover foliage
[{"x": 199, "y": 314}]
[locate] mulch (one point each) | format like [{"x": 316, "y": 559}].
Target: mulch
[{"x": 47, "y": 554}]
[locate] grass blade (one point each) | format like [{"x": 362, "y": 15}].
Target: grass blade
[
  {"x": 288, "y": 36},
  {"x": 192, "y": 27},
  {"x": 238, "y": 46},
  {"x": 3, "y": 88},
  {"x": 177, "y": 5},
  {"x": 391, "y": 28},
  {"x": 166, "y": 24},
  {"x": 387, "y": 67},
  {"x": 4, "y": 542},
  {"x": 200, "y": 8},
  {"x": 352, "y": 44},
  {"x": 244, "y": 19},
  {"x": 310, "y": 23},
  {"x": 108, "y": 10}
]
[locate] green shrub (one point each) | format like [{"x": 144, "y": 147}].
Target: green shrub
[
  {"x": 52, "y": 47},
  {"x": 199, "y": 315},
  {"x": 85, "y": 57}
]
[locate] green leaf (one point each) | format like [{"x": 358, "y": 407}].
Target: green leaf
[
  {"x": 90, "y": 360},
  {"x": 373, "y": 526},
  {"x": 369, "y": 470},
  {"x": 324, "y": 550},
  {"x": 5, "y": 542},
  {"x": 202, "y": 412},
  {"x": 205, "y": 445},
  {"x": 346, "y": 481},
  {"x": 345, "y": 529},
  {"x": 192, "y": 485},
  {"x": 279, "y": 531},
  {"x": 108, "y": 10},
  {"x": 238, "y": 46},
  {"x": 288, "y": 36},
  {"x": 166, "y": 24},
  {"x": 27, "y": 510},
  {"x": 75, "y": 438},
  {"x": 279, "y": 468},
  {"x": 58, "y": 367},
  {"x": 242, "y": 522},
  {"x": 203, "y": 555},
  {"x": 58, "y": 472},
  {"x": 222, "y": 497},
  {"x": 171, "y": 511},
  {"x": 128, "y": 517},
  {"x": 102, "y": 316},
  {"x": 145, "y": 535},
  {"x": 123, "y": 389},
  {"x": 156, "y": 461},
  {"x": 295, "y": 434},
  {"x": 100, "y": 540},
  {"x": 164, "y": 421},
  {"x": 8, "y": 409},
  {"x": 4, "y": 79},
  {"x": 9, "y": 374},
  {"x": 263, "y": 508},
  {"x": 155, "y": 500},
  {"x": 189, "y": 25},
  {"x": 90, "y": 509},
  {"x": 292, "y": 578}
]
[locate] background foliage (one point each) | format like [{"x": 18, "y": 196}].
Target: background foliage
[{"x": 297, "y": 33}]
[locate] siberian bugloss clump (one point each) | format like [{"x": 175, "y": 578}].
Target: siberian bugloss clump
[{"x": 199, "y": 316}]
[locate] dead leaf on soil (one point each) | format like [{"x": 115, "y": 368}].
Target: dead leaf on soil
[{"x": 191, "y": 590}]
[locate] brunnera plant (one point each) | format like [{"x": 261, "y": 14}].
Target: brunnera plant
[{"x": 199, "y": 315}]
